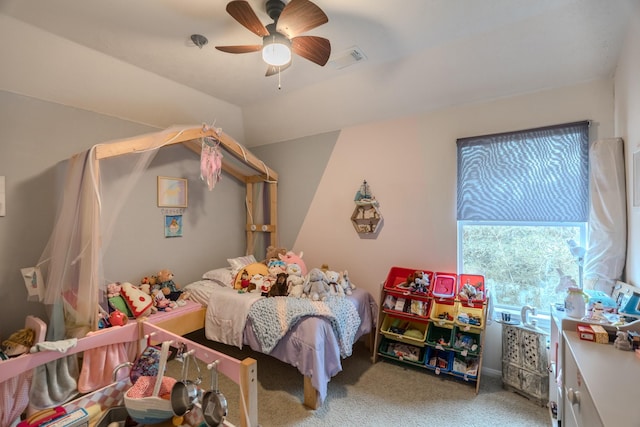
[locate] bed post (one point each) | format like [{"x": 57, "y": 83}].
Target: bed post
[
  {"x": 311, "y": 395},
  {"x": 249, "y": 390},
  {"x": 273, "y": 212}
]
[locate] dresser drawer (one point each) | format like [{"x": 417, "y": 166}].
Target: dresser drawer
[{"x": 578, "y": 404}]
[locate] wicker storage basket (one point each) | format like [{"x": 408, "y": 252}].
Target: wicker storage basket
[{"x": 144, "y": 401}]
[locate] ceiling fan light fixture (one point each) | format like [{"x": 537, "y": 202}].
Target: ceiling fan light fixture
[{"x": 276, "y": 50}]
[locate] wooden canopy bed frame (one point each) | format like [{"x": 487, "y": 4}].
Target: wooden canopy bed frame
[{"x": 190, "y": 138}]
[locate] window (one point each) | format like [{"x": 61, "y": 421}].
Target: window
[{"x": 522, "y": 196}]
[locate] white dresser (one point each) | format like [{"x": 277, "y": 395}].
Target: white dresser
[{"x": 600, "y": 384}]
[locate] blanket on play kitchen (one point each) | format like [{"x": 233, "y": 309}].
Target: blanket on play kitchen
[{"x": 271, "y": 318}]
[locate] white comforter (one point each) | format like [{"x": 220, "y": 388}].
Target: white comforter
[{"x": 227, "y": 313}]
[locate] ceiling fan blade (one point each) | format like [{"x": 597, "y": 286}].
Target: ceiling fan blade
[
  {"x": 272, "y": 69},
  {"x": 240, "y": 49},
  {"x": 242, "y": 12},
  {"x": 315, "y": 49},
  {"x": 300, "y": 16}
]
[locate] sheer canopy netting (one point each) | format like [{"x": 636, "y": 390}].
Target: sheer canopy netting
[
  {"x": 71, "y": 264},
  {"x": 607, "y": 245}
]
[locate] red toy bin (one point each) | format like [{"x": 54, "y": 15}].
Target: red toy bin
[
  {"x": 444, "y": 285},
  {"x": 397, "y": 280},
  {"x": 467, "y": 297}
]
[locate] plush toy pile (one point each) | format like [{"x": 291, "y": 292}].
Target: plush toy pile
[
  {"x": 286, "y": 274},
  {"x": 155, "y": 293}
]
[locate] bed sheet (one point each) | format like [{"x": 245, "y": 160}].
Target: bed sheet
[{"x": 310, "y": 345}]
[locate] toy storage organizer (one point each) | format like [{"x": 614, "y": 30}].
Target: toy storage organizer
[
  {"x": 242, "y": 372},
  {"x": 440, "y": 330}
]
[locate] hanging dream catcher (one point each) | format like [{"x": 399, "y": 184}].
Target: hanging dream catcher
[{"x": 210, "y": 161}]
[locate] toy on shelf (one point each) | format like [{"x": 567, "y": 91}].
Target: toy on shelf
[{"x": 19, "y": 342}]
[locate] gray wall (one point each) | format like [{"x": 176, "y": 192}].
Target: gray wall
[{"x": 36, "y": 137}]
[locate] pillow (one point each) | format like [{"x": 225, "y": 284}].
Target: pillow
[
  {"x": 139, "y": 303},
  {"x": 253, "y": 268},
  {"x": 119, "y": 303},
  {"x": 222, "y": 275},
  {"x": 239, "y": 262}
]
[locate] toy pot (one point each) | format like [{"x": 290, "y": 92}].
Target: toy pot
[
  {"x": 575, "y": 303},
  {"x": 214, "y": 404},
  {"x": 185, "y": 393}
]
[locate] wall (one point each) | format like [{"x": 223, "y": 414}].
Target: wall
[
  {"x": 410, "y": 164},
  {"x": 627, "y": 126},
  {"x": 36, "y": 137},
  {"x": 411, "y": 167}
]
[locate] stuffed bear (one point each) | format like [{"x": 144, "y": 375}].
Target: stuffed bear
[
  {"x": 169, "y": 287},
  {"x": 335, "y": 288},
  {"x": 317, "y": 287},
  {"x": 346, "y": 284},
  {"x": 295, "y": 286},
  {"x": 273, "y": 253}
]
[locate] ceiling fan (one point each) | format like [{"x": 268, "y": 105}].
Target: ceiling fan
[{"x": 282, "y": 37}]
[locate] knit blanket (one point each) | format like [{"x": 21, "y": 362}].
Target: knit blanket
[{"x": 271, "y": 318}]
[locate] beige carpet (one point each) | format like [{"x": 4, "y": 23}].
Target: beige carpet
[{"x": 366, "y": 394}]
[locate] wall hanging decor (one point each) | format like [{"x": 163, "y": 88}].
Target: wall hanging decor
[
  {"x": 366, "y": 217},
  {"x": 172, "y": 192},
  {"x": 173, "y": 226}
]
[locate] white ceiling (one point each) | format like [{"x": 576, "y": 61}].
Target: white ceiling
[{"x": 421, "y": 54}]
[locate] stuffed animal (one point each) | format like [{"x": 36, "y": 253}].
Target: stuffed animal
[
  {"x": 420, "y": 283},
  {"x": 150, "y": 280},
  {"x": 346, "y": 284},
  {"x": 279, "y": 289},
  {"x": 295, "y": 285},
  {"x": 291, "y": 258},
  {"x": 161, "y": 302},
  {"x": 274, "y": 253},
  {"x": 317, "y": 287},
  {"x": 256, "y": 282},
  {"x": 333, "y": 279},
  {"x": 245, "y": 282},
  {"x": 169, "y": 287},
  {"x": 19, "y": 342},
  {"x": 113, "y": 290}
]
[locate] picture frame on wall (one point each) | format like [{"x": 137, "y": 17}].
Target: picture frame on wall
[
  {"x": 173, "y": 226},
  {"x": 172, "y": 192}
]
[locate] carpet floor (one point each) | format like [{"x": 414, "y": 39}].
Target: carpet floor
[{"x": 367, "y": 394}]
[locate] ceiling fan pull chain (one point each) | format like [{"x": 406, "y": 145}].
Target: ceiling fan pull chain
[{"x": 279, "y": 85}]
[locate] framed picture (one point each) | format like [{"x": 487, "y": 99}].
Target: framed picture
[
  {"x": 172, "y": 192},
  {"x": 173, "y": 226}
]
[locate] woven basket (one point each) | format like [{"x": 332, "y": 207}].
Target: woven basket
[{"x": 146, "y": 405}]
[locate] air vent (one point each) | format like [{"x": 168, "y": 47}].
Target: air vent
[{"x": 351, "y": 56}]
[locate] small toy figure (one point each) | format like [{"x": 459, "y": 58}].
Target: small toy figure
[
  {"x": 244, "y": 282},
  {"x": 622, "y": 341}
]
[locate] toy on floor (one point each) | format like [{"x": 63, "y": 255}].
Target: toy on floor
[{"x": 19, "y": 342}]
